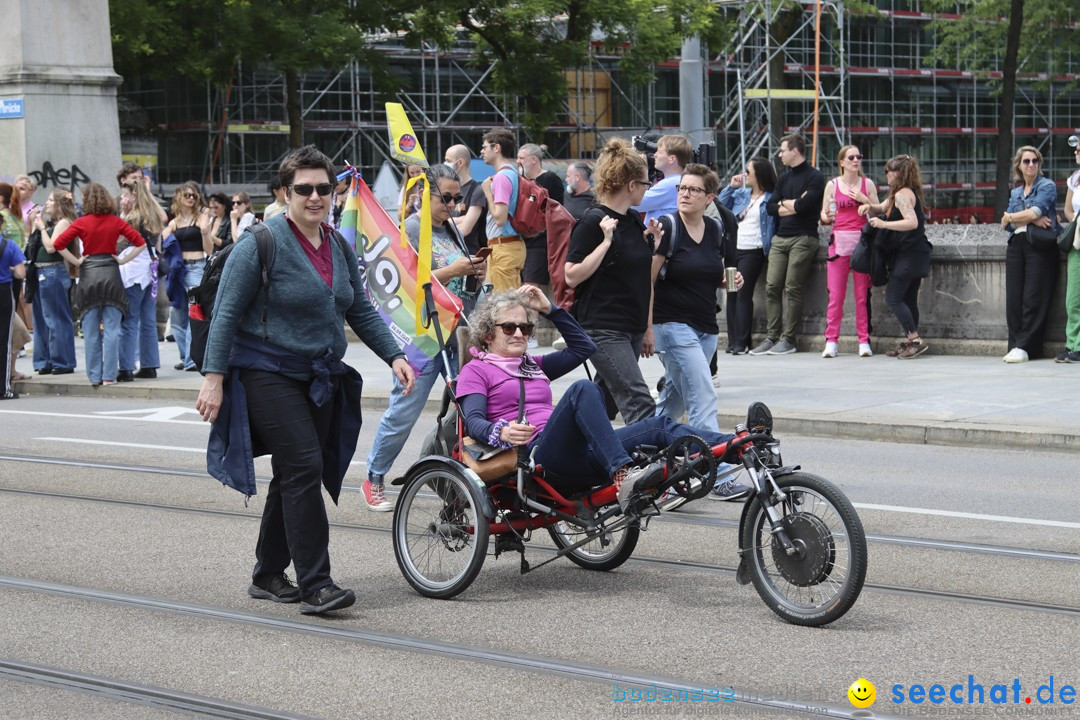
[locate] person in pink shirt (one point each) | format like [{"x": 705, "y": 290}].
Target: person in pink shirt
[{"x": 840, "y": 208}]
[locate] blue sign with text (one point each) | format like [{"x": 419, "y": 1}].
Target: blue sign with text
[{"x": 11, "y": 108}]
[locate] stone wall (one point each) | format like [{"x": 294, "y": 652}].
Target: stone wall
[{"x": 961, "y": 304}]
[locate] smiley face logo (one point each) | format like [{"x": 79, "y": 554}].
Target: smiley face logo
[{"x": 862, "y": 693}]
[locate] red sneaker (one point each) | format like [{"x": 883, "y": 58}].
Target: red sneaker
[{"x": 375, "y": 497}]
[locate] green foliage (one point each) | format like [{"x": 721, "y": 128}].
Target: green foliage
[
  {"x": 532, "y": 42},
  {"x": 976, "y": 40}
]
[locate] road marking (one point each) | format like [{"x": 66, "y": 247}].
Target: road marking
[
  {"x": 158, "y": 414},
  {"x": 969, "y": 516},
  {"x": 113, "y": 443},
  {"x": 98, "y": 417}
]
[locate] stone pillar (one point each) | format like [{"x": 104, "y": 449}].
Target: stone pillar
[{"x": 56, "y": 58}]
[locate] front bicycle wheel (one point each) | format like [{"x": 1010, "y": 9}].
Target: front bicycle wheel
[
  {"x": 595, "y": 555},
  {"x": 823, "y": 578},
  {"x": 440, "y": 534}
]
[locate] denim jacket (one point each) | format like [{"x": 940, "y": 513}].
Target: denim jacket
[
  {"x": 736, "y": 201},
  {"x": 1043, "y": 197}
]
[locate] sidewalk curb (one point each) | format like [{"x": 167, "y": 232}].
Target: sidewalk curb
[{"x": 958, "y": 435}]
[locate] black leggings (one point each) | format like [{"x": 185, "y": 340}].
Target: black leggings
[
  {"x": 740, "y": 305},
  {"x": 7, "y": 317},
  {"x": 902, "y": 296}
]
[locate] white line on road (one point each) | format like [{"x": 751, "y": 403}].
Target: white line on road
[
  {"x": 969, "y": 516},
  {"x": 113, "y": 443},
  {"x": 99, "y": 417}
]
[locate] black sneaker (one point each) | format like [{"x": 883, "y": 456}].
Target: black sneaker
[
  {"x": 63, "y": 371},
  {"x": 277, "y": 588},
  {"x": 178, "y": 366},
  {"x": 45, "y": 371},
  {"x": 327, "y": 598},
  {"x": 1068, "y": 356},
  {"x": 759, "y": 418},
  {"x": 146, "y": 373},
  {"x": 125, "y": 376},
  {"x": 9, "y": 395}
]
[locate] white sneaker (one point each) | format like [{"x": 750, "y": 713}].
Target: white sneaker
[
  {"x": 559, "y": 343},
  {"x": 1016, "y": 355},
  {"x": 865, "y": 351},
  {"x": 830, "y": 350}
]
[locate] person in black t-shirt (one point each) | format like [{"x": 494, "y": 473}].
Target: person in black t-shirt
[
  {"x": 472, "y": 211},
  {"x": 529, "y": 159},
  {"x": 609, "y": 264},
  {"x": 684, "y": 310}
]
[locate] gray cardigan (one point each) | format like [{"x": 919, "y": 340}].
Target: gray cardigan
[{"x": 305, "y": 316}]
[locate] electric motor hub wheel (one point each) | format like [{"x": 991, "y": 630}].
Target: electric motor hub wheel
[{"x": 815, "y": 551}]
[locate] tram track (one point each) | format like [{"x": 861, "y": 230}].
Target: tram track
[
  {"x": 670, "y": 517},
  {"x": 117, "y": 690},
  {"x": 662, "y": 563},
  {"x": 392, "y": 641}
]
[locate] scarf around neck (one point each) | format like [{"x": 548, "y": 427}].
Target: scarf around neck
[{"x": 523, "y": 367}]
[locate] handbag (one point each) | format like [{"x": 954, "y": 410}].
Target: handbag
[
  {"x": 1041, "y": 238},
  {"x": 1066, "y": 241},
  {"x": 861, "y": 256},
  {"x": 30, "y": 285},
  {"x": 488, "y": 461}
]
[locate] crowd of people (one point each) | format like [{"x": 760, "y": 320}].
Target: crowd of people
[{"x": 648, "y": 259}]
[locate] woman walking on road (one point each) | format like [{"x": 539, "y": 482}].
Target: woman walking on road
[{"x": 288, "y": 393}]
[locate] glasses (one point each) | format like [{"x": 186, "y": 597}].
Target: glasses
[
  {"x": 1030, "y": 161},
  {"x": 646, "y": 183},
  {"x": 305, "y": 189},
  {"x": 238, "y": 202},
  {"x": 448, "y": 198},
  {"x": 509, "y": 328},
  {"x": 690, "y": 190},
  {"x": 190, "y": 195},
  {"x": 854, "y": 157}
]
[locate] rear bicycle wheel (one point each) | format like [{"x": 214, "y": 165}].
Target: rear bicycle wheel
[
  {"x": 440, "y": 534},
  {"x": 823, "y": 578},
  {"x": 594, "y": 555}
]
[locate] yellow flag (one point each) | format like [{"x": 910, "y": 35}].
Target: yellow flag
[
  {"x": 405, "y": 147},
  {"x": 403, "y": 143}
]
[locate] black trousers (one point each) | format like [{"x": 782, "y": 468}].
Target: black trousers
[
  {"x": 1030, "y": 280},
  {"x": 294, "y": 526},
  {"x": 739, "y": 311},
  {"x": 7, "y": 317}
]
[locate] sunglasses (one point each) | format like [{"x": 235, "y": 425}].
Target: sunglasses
[
  {"x": 1030, "y": 161},
  {"x": 305, "y": 189},
  {"x": 238, "y": 202},
  {"x": 190, "y": 195},
  {"x": 448, "y": 198},
  {"x": 508, "y": 328},
  {"x": 854, "y": 157},
  {"x": 690, "y": 190}
]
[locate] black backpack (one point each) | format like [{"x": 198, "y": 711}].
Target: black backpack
[{"x": 202, "y": 297}]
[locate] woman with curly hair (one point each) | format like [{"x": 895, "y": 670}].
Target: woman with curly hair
[
  {"x": 101, "y": 299},
  {"x": 609, "y": 264},
  {"x": 905, "y": 218},
  {"x": 573, "y": 439}
]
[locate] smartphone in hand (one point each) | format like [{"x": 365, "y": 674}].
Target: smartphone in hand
[{"x": 482, "y": 253}]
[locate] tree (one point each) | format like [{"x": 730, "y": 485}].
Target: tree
[
  {"x": 532, "y": 42},
  {"x": 205, "y": 39},
  {"x": 1027, "y": 30}
]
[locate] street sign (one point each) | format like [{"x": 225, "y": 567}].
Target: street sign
[{"x": 11, "y": 108}]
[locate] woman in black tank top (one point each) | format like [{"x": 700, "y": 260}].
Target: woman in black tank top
[{"x": 190, "y": 227}]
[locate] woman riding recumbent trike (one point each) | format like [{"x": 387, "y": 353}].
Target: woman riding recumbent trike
[{"x": 565, "y": 469}]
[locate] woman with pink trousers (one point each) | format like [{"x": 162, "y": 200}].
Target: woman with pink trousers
[{"x": 840, "y": 208}]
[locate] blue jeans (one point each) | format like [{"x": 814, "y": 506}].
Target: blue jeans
[
  {"x": 579, "y": 432},
  {"x": 139, "y": 329},
  {"x": 54, "y": 339},
  {"x": 404, "y": 410},
  {"x": 178, "y": 317},
  {"x": 686, "y": 353},
  {"x": 102, "y": 350}
]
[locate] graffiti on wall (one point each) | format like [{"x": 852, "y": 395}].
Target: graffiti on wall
[{"x": 69, "y": 178}]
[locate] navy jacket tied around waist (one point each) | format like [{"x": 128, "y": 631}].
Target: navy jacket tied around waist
[{"x": 231, "y": 451}]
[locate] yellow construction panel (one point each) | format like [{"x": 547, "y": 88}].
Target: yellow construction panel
[{"x": 763, "y": 94}]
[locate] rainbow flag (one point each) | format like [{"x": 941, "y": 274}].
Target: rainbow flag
[{"x": 389, "y": 272}]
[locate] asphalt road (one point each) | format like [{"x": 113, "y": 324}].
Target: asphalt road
[{"x": 973, "y": 563}]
